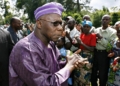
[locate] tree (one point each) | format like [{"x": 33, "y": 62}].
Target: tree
[
  {"x": 82, "y": 4},
  {"x": 31, "y": 5},
  {"x": 5, "y": 6},
  {"x": 115, "y": 17},
  {"x": 97, "y": 16}
]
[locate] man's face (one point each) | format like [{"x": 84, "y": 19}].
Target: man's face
[
  {"x": 70, "y": 24},
  {"x": 51, "y": 26},
  {"x": 17, "y": 24},
  {"x": 105, "y": 21}
]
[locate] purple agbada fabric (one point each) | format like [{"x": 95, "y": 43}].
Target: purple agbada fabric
[
  {"x": 52, "y": 7},
  {"x": 33, "y": 64}
]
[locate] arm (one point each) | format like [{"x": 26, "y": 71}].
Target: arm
[
  {"x": 68, "y": 36},
  {"x": 105, "y": 41},
  {"x": 68, "y": 43},
  {"x": 88, "y": 47},
  {"x": 92, "y": 43},
  {"x": 34, "y": 70}
]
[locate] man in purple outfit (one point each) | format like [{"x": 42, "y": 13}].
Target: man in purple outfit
[{"x": 34, "y": 60}]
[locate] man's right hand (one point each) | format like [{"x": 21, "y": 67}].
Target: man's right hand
[
  {"x": 75, "y": 61},
  {"x": 98, "y": 36}
]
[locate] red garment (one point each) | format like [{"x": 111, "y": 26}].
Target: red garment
[{"x": 89, "y": 40}]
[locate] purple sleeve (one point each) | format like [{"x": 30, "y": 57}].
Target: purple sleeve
[
  {"x": 30, "y": 67},
  {"x": 62, "y": 75}
]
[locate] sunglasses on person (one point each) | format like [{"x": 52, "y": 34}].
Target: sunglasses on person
[{"x": 56, "y": 23}]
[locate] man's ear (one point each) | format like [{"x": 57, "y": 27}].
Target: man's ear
[{"x": 38, "y": 24}]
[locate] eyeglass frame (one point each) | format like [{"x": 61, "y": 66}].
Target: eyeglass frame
[{"x": 57, "y": 22}]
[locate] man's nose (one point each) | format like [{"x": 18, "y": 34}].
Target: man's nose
[{"x": 60, "y": 27}]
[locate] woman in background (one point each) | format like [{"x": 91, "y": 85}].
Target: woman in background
[{"x": 87, "y": 42}]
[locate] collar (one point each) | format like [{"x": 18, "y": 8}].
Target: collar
[
  {"x": 10, "y": 29},
  {"x": 74, "y": 29},
  {"x": 106, "y": 30}
]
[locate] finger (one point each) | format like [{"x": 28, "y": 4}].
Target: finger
[
  {"x": 77, "y": 56},
  {"x": 86, "y": 62},
  {"x": 69, "y": 53},
  {"x": 76, "y": 66},
  {"x": 81, "y": 59},
  {"x": 80, "y": 65},
  {"x": 78, "y": 51},
  {"x": 85, "y": 59}
]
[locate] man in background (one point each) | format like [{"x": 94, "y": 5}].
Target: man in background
[
  {"x": 15, "y": 29},
  {"x": 6, "y": 46},
  {"x": 105, "y": 35}
]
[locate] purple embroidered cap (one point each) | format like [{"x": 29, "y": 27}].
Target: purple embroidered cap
[{"x": 52, "y": 7}]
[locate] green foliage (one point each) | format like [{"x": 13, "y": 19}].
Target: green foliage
[
  {"x": 97, "y": 16},
  {"x": 1, "y": 20},
  {"x": 19, "y": 4},
  {"x": 64, "y": 15},
  {"x": 8, "y": 17},
  {"x": 76, "y": 16},
  {"x": 115, "y": 17},
  {"x": 31, "y": 5},
  {"x": 24, "y": 19},
  {"x": 75, "y": 9}
]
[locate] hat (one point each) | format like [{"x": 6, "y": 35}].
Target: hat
[
  {"x": 87, "y": 23},
  {"x": 52, "y": 7}
]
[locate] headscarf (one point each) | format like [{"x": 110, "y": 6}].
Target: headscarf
[{"x": 87, "y": 23}]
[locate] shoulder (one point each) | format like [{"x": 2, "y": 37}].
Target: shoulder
[
  {"x": 82, "y": 34},
  {"x": 111, "y": 30},
  {"x": 97, "y": 30},
  {"x": 93, "y": 34},
  {"x": 9, "y": 29},
  {"x": 28, "y": 44},
  {"x": 53, "y": 45},
  {"x": 4, "y": 32}
]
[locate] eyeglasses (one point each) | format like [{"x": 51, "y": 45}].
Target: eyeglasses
[{"x": 56, "y": 23}]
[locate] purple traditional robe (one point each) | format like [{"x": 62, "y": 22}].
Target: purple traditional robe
[{"x": 33, "y": 64}]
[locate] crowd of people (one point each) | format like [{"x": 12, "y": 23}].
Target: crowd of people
[{"x": 56, "y": 52}]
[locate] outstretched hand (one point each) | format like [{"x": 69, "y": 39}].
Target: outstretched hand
[
  {"x": 75, "y": 60},
  {"x": 81, "y": 62},
  {"x": 78, "y": 40}
]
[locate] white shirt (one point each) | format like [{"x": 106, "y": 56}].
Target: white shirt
[
  {"x": 108, "y": 35},
  {"x": 73, "y": 33}
]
